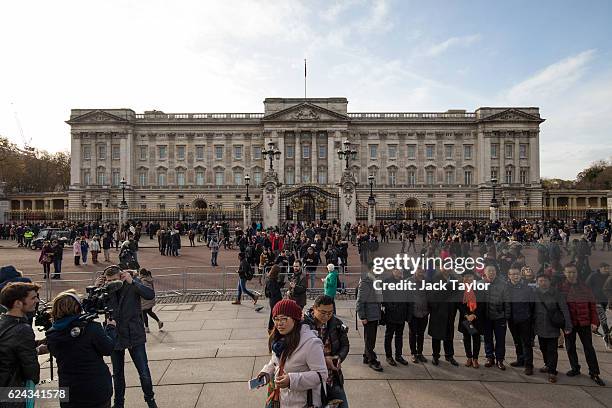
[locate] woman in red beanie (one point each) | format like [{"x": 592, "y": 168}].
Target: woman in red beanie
[{"x": 297, "y": 370}]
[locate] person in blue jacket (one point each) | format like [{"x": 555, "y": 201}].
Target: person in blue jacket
[{"x": 79, "y": 345}]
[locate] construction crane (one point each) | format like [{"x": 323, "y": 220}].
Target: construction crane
[{"x": 27, "y": 142}]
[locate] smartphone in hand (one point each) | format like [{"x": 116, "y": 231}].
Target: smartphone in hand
[{"x": 256, "y": 383}]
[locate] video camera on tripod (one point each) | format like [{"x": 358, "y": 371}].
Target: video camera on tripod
[{"x": 96, "y": 302}]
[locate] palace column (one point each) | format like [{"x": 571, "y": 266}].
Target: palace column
[
  {"x": 280, "y": 138},
  {"x": 331, "y": 168},
  {"x": 298, "y": 157},
  {"x": 314, "y": 156}
]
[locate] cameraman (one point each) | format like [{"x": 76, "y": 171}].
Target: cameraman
[
  {"x": 18, "y": 353},
  {"x": 127, "y": 312},
  {"x": 79, "y": 346}
]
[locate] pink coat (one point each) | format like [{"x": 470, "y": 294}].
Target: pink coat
[{"x": 302, "y": 366}]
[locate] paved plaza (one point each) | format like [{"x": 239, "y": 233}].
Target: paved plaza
[{"x": 208, "y": 351}]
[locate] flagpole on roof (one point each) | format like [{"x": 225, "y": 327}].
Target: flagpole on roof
[{"x": 304, "y": 79}]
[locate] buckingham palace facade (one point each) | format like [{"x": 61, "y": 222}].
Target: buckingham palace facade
[{"x": 443, "y": 160}]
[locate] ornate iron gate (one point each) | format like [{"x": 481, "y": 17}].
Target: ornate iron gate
[{"x": 309, "y": 203}]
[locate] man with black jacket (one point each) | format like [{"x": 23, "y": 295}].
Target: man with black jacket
[
  {"x": 298, "y": 285},
  {"x": 397, "y": 312},
  {"x": 244, "y": 274},
  {"x": 443, "y": 309},
  {"x": 333, "y": 334},
  {"x": 18, "y": 355},
  {"x": 522, "y": 298},
  {"x": 127, "y": 313},
  {"x": 497, "y": 313}
]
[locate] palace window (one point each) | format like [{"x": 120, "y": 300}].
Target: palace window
[
  {"x": 411, "y": 177},
  {"x": 290, "y": 151},
  {"x": 393, "y": 151},
  {"x": 467, "y": 177},
  {"x": 162, "y": 152},
  {"x": 448, "y": 151},
  {"x": 373, "y": 152},
  {"x": 238, "y": 177},
  {"x": 322, "y": 151},
  {"x": 429, "y": 177},
  {"x": 411, "y": 151},
  {"x": 180, "y": 152},
  {"x": 180, "y": 177},
  {"x": 494, "y": 150},
  {"x": 115, "y": 152},
  {"x": 305, "y": 176},
  {"x": 257, "y": 177},
  {"x": 494, "y": 173},
  {"x": 305, "y": 151},
  {"x": 237, "y": 152},
  {"x": 161, "y": 178},
  {"x": 143, "y": 178},
  {"x": 101, "y": 177},
  {"x": 392, "y": 177},
  {"x": 524, "y": 175},
  {"x": 219, "y": 177},
  {"x": 86, "y": 177},
  {"x": 467, "y": 152},
  {"x": 509, "y": 151},
  {"x": 116, "y": 177},
  {"x": 199, "y": 152},
  {"x": 256, "y": 152},
  {"x": 449, "y": 176},
  {"x": 218, "y": 152},
  {"x": 289, "y": 176},
  {"x": 200, "y": 177},
  {"x": 101, "y": 152},
  {"x": 522, "y": 151},
  {"x": 509, "y": 176},
  {"x": 322, "y": 175},
  {"x": 143, "y": 152},
  {"x": 86, "y": 152},
  {"x": 429, "y": 151}
]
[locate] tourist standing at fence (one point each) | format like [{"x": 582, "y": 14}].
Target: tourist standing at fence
[
  {"x": 214, "y": 251},
  {"x": 107, "y": 242},
  {"x": 443, "y": 308},
  {"x": 397, "y": 312},
  {"x": 58, "y": 256},
  {"x": 418, "y": 319},
  {"x": 497, "y": 315},
  {"x": 310, "y": 262},
  {"x": 298, "y": 284},
  {"x": 522, "y": 297},
  {"x": 84, "y": 249},
  {"x": 147, "y": 304},
  {"x": 76, "y": 251},
  {"x": 46, "y": 258},
  {"x": 95, "y": 249}
]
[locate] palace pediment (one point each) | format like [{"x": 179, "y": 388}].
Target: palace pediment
[
  {"x": 98, "y": 116},
  {"x": 305, "y": 112},
  {"x": 512, "y": 115}
]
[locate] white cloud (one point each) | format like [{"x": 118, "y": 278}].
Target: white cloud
[
  {"x": 462, "y": 41},
  {"x": 553, "y": 79}
]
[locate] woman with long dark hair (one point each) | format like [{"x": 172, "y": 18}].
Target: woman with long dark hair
[{"x": 296, "y": 372}]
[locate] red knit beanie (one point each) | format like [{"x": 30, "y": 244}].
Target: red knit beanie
[{"x": 288, "y": 308}]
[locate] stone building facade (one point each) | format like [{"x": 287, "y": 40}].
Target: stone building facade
[{"x": 441, "y": 160}]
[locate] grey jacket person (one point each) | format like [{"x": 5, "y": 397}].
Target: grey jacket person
[
  {"x": 127, "y": 312},
  {"x": 368, "y": 299},
  {"x": 553, "y": 299}
]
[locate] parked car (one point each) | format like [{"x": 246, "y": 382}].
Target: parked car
[{"x": 50, "y": 234}]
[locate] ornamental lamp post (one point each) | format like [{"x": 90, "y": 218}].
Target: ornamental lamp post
[
  {"x": 347, "y": 154},
  {"x": 272, "y": 153},
  {"x": 247, "y": 179},
  {"x": 371, "y": 199},
  {"x": 123, "y": 184},
  {"x": 494, "y": 199}
]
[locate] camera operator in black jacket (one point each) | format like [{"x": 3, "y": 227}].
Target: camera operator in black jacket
[
  {"x": 80, "y": 346},
  {"x": 333, "y": 334},
  {"x": 18, "y": 353},
  {"x": 127, "y": 312}
]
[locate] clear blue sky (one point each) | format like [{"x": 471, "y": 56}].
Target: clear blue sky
[{"x": 196, "y": 56}]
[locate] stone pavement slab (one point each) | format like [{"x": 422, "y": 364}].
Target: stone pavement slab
[
  {"x": 191, "y": 336},
  {"x": 354, "y": 369},
  {"x": 235, "y": 323},
  {"x": 166, "y": 396},
  {"x": 232, "y": 394},
  {"x": 370, "y": 393},
  {"x": 200, "y": 370},
  {"x": 446, "y": 394},
  {"x": 603, "y": 395},
  {"x": 511, "y": 395}
]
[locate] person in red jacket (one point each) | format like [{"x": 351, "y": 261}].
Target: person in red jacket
[{"x": 583, "y": 313}]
